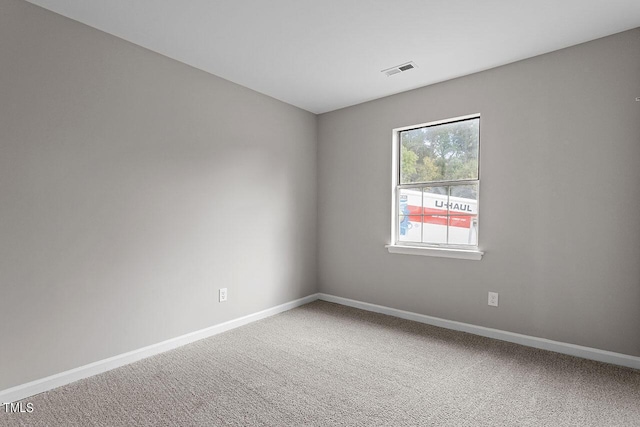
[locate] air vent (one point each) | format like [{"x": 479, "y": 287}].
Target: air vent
[{"x": 399, "y": 68}]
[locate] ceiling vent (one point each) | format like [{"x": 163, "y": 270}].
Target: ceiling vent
[{"x": 399, "y": 68}]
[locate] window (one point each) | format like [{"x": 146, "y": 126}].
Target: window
[{"x": 436, "y": 187}]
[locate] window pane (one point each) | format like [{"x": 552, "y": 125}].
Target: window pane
[
  {"x": 463, "y": 215},
  {"x": 435, "y": 208},
  {"x": 445, "y": 152},
  {"x": 410, "y": 215}
]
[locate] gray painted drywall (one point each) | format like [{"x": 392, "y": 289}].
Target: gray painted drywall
[
  {"x": 132, "y": 187},
  {"x": 560, "y": 199}
]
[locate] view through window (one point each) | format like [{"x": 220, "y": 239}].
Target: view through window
[{"x": 438, "y": 183}]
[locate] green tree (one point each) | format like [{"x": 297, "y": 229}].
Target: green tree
[
  {"x": 409, "y": 160},
  {"x": 443, "y": 152},
  {"x": 429, "y": 171}
]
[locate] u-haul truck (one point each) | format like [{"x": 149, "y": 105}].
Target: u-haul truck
[{"x": 424, "y": 218}]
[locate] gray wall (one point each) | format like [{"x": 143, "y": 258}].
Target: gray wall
[
  {"x": 560, "y": 199},
  {"x": 132, "y": 187}
]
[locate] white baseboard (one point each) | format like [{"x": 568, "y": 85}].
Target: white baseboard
[
  {"x": 38, "y": 386},
  {"x": 535, "y": 342},
  {"x": 34, "y": 387}
]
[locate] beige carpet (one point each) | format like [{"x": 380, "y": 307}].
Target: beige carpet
[{"x": 324, "y": 364}]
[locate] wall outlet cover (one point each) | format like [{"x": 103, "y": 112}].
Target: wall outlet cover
[{"x": 493, "y": 299}]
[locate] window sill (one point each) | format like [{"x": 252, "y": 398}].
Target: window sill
[{"x": 471, "y": 254}]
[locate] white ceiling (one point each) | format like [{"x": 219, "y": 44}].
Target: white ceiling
[{"x": 325, "y": 55}]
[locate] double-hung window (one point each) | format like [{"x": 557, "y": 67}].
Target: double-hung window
[{"x": 436, "y": 188}]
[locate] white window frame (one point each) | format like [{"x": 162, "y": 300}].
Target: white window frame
[{"x": 436, "y": 250}]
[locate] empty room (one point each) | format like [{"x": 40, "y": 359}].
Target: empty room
[{"x": 319, "y": 213}]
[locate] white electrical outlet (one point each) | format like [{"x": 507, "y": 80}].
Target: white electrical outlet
[
  {"x": 493, "y": 299},
  {"x": 223, "y": 294}
]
